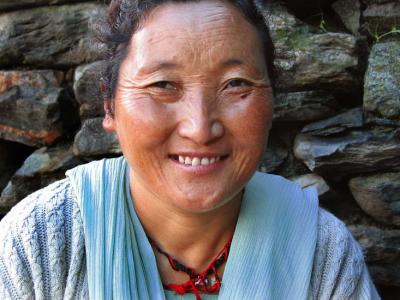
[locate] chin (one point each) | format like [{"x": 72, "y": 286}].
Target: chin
[{"x": 203, "y": 204}]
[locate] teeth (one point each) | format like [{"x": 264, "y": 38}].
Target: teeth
[
  {"x": 205, "y": 161},
  {"x": 196, "y": 161}
]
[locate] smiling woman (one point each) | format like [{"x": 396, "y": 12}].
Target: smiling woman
[
  {"x": 193, "y": 104},
  {"x": 189, "y": 92}
]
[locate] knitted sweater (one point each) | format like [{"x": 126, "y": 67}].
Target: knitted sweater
[{"x": 42, "y": 252}]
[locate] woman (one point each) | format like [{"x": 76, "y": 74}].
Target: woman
[{"x": 183, "y": 213}]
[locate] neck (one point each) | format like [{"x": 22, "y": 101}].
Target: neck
[{"x": 192, "y": 238}]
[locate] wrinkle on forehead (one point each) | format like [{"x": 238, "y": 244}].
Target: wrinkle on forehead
[
  {"x": 205, "y": 31},
  {"x": 192, "y": 11},
  {"x": 187, "y": 22}
]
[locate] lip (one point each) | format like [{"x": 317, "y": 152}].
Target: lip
[
  {"x": 199, "y": 154},
  {"x": 199, "y": 169}
]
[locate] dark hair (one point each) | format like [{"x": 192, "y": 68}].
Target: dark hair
[{"x": 124, "y": 17}]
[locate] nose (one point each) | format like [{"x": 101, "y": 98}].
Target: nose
[{"x": 200, "y": 124}]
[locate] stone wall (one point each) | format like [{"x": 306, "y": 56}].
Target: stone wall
[{"x": 336, "y": 121}]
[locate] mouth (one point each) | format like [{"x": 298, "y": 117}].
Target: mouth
[{"x": 197, "y": 160}]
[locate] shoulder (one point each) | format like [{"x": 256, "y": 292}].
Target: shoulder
[
  {"x": 334, "y": 239},
  {"x": 41, "y": 237},
  {"x": 51, "y": 198},
  {"x": 273, "y": 185},
  {"x": 331, "y": 229},
  {"x": 41, "y": 212},
  {"x": 339, "y": 268}
]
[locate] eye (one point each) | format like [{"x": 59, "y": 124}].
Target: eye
[
  {"x": 163, "y": 85},
  {"x": 237, "y": 83}
]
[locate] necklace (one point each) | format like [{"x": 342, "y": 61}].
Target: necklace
[{"x": 198, "y": 282}]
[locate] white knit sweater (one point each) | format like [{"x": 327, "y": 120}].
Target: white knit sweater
[{"x": 42, "y": 252}]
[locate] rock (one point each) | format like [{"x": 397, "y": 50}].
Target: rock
[
  {"x": 312, "y": 180},
  {"x": 292, "y": 167},
  {"x": 92, "y": 140},
  {"x": 43, "y": 167},
  {"x": 38, "y": 79},
  {"x": 57, "y": 36},
  {"x": 350, "y": 119},
  {"x": 34, "y": 110},
  {"x": 350, "y": 153},
  {"x": 381, "y": 16},
  {"x": 340, "y": 201},
  {"x": 304, "y": 106},
  {"x": 274, "y": 155},
  {"x": 376, "y": 2},
  {"x": 350, "y": 13},
  {"x": 12, "y": 156},
  {"x": 282, "y": 137},
  {"x": 303, "y": 9},
  {"x": 379, "y": 196},
  {"x": 86, "y": 89},
  {"x": 34, "y": 120},
  {"x": 6, "y": 5},
  {"x": 306, "y": 59},
  {"x": 382, "y": 82},
  {"x": 381, "y": 248}
]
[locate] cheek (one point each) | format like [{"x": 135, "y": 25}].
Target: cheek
[
  {"x": 142, "y": 122},
  {"x": 250, "y": 119}
]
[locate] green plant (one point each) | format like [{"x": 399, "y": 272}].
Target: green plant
[
  {"x": 377, "y": 37},
  {"x": 322, "y": 25}
]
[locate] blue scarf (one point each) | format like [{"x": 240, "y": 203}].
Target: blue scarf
[{"x": 272, "y": 250}]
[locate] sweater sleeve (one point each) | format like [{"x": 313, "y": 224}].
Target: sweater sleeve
[
  {"x": 339, "y": 270},
  {"x": 42, "y": 249}
]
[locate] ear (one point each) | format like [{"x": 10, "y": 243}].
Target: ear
[{"x": 108, "y": 121}]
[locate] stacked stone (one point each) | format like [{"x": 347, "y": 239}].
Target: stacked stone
[
  {"x": 42, "y": 45},
  {"x": 336, "y": 121},
  {"x": 337, "y": 111}
]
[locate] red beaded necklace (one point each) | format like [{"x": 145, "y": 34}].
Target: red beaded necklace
[{"x": 198, "y": 283}]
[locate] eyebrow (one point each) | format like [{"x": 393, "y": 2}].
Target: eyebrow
[
  {"x": 160, "y": 65},
  {"x": 232, "y": 62}
]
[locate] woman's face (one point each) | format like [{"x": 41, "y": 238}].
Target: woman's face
[{"x": 193, "y": 105}]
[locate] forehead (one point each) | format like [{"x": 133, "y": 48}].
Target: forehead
[{"x": 203, "y": 30}]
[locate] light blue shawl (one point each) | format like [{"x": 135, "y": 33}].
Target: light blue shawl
[{"x": 272, "y": 251}]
